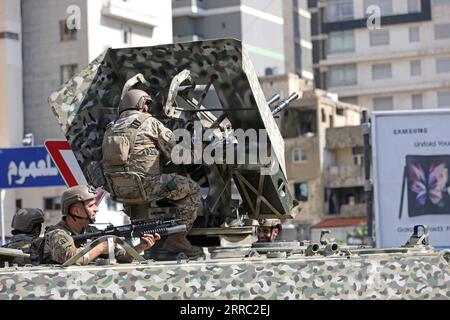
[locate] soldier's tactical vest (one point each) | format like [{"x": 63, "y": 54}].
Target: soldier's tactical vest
[
  {"x": 118, "y": 146},
  {"x": 45, "y": 257},
  {"x": 28, "y": 244},
  {"x": 123, "y": 167}
]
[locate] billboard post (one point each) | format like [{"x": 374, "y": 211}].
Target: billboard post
[{"x": 368, "y": 182}]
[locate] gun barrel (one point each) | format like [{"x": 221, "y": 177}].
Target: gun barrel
[
  {"x": 273, "y": 99},
  {"x": 165, "y": 230},
  {"x": 285, "y": 103}
]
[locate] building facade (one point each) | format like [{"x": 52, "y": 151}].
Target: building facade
[
  {"x": 58, "y": 39},
  {"x": 304, "y": 126},
  {"x": 276, "y": 33},
  {"x": 383, "y": 54}
]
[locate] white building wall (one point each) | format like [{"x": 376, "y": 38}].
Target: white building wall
[
  {"x": 11, "y": 103},
  {"x": 399, "y": 52},
  {"x": 152, "y": 24}
]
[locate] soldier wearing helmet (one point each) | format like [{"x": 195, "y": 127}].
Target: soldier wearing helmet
[
  {"x": 134, "y": 143},
  {"x": 268, "y": 230},
  {"x": 27, "y": 226},
  {"x": 78, "y": 210}
]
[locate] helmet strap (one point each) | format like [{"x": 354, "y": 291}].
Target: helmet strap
[{"x": 82, "y": 218}]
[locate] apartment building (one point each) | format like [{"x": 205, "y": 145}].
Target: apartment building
[
  {"x": 276, "y": 33},
  {"x": 397, "y": 60},
  {"x": 304, "y": 128},
  {"x": 43, "y": 43}
]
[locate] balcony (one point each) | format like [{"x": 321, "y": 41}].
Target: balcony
[
  {"x": 344, "y": 137},
  {"x": 344, "y": 177},
  {"x": 124, "y": 11}
]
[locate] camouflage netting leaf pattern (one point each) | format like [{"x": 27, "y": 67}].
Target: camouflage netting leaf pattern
[{"x": 89, "y": 101}]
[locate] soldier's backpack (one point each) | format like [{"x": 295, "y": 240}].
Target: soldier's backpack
[{"x": 117, "y": 144}]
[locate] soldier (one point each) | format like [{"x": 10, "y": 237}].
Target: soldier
[
  {"x": 79, "y": 209},
  {"x": 27, "y": 226},
  {"x": 268, "y": 230},
  {"x": 134, "y": 144}
]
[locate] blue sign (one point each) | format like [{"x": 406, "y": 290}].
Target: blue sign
[{"x": 28, "y": 167}]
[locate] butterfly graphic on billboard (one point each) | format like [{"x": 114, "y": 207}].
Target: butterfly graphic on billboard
[{"x": 427, "y": 184}]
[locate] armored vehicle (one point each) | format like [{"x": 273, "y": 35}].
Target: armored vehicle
[{"x": 209, "y": 88}]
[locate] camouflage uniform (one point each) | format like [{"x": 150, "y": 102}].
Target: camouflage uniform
[
  {"x": 25, "y": 237},
  {"x": 28, "y": 244},
  {"x": 58, "y": 246},
  {"x": 152, "y": 139}
]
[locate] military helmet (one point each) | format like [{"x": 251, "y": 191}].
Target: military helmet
[
  {"x": 76, "y": 194},
  {"x": 272, "y": 223},
  {"x": 134, "y": 99},
  {"x": 26, "y": 218}
]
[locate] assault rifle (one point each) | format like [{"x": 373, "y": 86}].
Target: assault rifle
[{"x": 136, "y": 229}]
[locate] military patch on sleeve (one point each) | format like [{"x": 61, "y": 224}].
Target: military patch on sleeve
[{"x": 135, "y": 124}]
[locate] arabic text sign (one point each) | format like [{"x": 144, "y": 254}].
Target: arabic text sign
[{"x": 27, "y": 167}]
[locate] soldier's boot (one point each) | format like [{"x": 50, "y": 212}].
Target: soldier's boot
[{"x": 174, "y": 247}]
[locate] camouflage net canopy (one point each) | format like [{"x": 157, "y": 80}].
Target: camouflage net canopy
[{"x": 89, "y": 101}]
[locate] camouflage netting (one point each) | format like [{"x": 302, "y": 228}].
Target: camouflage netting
[{"x": 89, "y": 101}]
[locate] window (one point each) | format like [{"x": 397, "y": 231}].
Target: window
[
  {"x": 65, "y": 33},
  {"x": 384, "y": 5},
  {"x": 358, "y": 156},
  {"x": 125, "y": 36},
  {"x": 340, "y": 111},
  {"x": 343, "y": 75},
  {"x": 444, "y": 99},
  {"x": 358, "y": 160},
  {"x": 414, "y": 34},
  {"x": 381, "y": 71},
  {"x": 298, "y": 56},
  {"x": 301, "y": 191},
  {"x": 416, "y": 68},
  {"x": 67, "y": 72},
  {"x": 341, "y": 41},
  {"x": 111, "y": 204},
  {"x": 443, "y": 65},
  {"x": 413, "y": 6},
  {"x": 384, "y": 103},
  {"x": 298, "y": 155},
  {"x": 324, "y": 116},
  {"x": 339, "y": 10},
  {"x": 351, "y": 100},
  {"x": 18, "y": 204},
  {"x": 379, "y": 38},
  {"x": 52, "y": 203},
  {"x": 417, "y": 101},
  {"x": 442, "y": 31}
]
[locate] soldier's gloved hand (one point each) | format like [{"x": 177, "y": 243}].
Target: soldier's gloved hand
[{"x": 147, "y": 241}]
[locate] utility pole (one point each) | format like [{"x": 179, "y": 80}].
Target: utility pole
[{"x": 368, "y": 182}]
